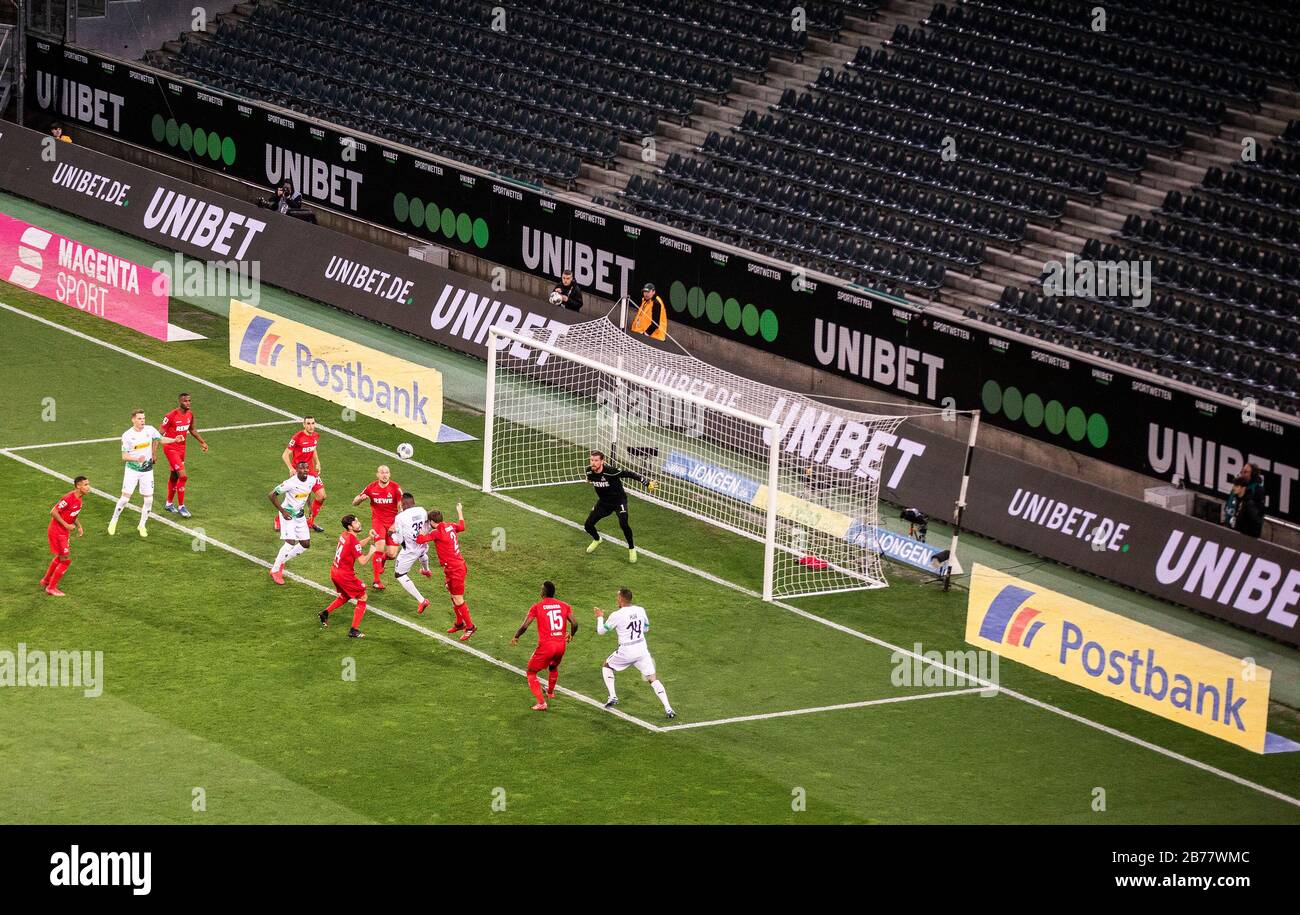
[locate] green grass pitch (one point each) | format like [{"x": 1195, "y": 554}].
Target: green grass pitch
[{"x": 224, "y": 701}]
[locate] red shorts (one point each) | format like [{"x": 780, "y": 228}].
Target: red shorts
[
  {"x": 380, "y": 528},
  {"x": 455, "y": 576},
  {"x": 546, "y": 655},
  {"x": 175, "y": 457},
  {"x": 350, "y": 587},
  {"x": 58, "y": 537}
]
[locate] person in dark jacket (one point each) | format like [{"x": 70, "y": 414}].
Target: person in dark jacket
[
  {"x": 1253, "y": 501},
  {"x": 567, "y": 294}
]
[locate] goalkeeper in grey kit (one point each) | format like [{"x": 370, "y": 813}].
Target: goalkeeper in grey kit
[{"x": 611, "y": 499}]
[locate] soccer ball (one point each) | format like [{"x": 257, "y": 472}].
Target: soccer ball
[
  {"x": 404, "y": 451},
  {"x": 557, "y": 298}
]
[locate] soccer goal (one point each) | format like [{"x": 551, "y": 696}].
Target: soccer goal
[{"x": 706, "y": 436}]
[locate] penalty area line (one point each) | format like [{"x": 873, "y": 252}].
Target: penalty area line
[
  {"x": 701, "y": 573},
  {"x": 115, "y": 438},
  {"x": 203, "y": 537},
  {"x": 822, "y": 708}
]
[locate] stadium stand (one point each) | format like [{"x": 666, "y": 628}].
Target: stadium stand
[{"x": 947, "y": 152}]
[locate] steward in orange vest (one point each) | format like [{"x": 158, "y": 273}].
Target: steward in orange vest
[{"x": 645, "y": 321}]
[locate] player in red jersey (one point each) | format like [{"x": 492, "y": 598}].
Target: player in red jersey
[
  {"x": 304, "y": 447},
  {"x": 343, "y": 574},
  {"x": 179, "y": 424},
  {"x": 63, "y": 518},
  {"x": 443, "y": 536},
  {"x": 552, "y": 639},
  {"x": 385, "y": 498}
]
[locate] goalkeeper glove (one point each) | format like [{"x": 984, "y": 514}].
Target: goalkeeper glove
[
  {"x": 650, "y": 485},
  {"x": 146, "y": 465}
]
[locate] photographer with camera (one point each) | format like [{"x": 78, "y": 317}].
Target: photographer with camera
[{"x": 289, "y": 202}]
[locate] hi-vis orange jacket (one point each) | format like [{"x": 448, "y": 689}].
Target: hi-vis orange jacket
[{"x": 645, "y": 323}]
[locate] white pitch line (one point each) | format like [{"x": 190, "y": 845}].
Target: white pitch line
[
  {"x": 117, "y": 438},
  {"x": 821, "y": 708},
  {"x": 370, "y": 608},
  {"x": 708, "y": 576}
]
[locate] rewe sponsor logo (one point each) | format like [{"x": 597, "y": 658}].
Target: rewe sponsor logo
[
  {"x": 368, "y": 279},
  {"x": 1098, "y": 279},
  {"x": 206, "y": 225},
  {"x": 82, "y": 670},
  {"x": 1071, "y": 521},
  {"x": 314, "y": 178},
  {"x": 593, "y": 268},
  {"x": 1230, "y": 577},
  {"x": 103, "y": 868},
  {"x": 1211, "y": 465},
  {"x": 470, "y": 316},
  {"x": 825, "y": 437},
  {"x": 877, "y": 360},
  {"x": 84, "y": 181},
  {"x": 79, "y": 102}
]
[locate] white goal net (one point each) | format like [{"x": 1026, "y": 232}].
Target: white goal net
[{"x": 769, "y": 465}]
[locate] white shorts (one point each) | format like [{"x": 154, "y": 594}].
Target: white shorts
[
  {"x": 133, "y": 478},
  {"x": 294, "y": 529},
  {"x": 406, "y": 559},
  {"x": 637, "y": 656}
]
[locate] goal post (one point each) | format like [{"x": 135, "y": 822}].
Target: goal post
[{"x": 721, "y": 448}]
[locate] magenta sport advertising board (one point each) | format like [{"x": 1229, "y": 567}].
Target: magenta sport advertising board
[{"x": 83, "y": 277}]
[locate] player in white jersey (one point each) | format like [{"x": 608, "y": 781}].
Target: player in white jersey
[
  {"x": 290, "y": 499},
  {"x": 631, "y": 624},
  {"x": 138, "y": 446},
  {"x": 403, "y": 543}
]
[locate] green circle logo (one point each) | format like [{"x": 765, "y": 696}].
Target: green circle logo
[
  {"x": 481, "y": 232},
  {"x": 1054, "y": 417},
  {"x": 1012, "y": 403},
  {"x": 1034, "y": 411},
  {"x": 464, "y": 228},
  {"x": 228, "y": 151},
  {"x": 731, "y": 314},
  {"x": 448, "y": 222},
  {"x": 1098, "y": 431},
  {"x": 1076, "y": 424},
  {"x": 991, "y": 397},
  {"x": 768, "y": 325},
  {"x": 158, "y": 127},
  {"x": 417, "y": 212},
  {"x": 677, "y": 296},
  {"x": 749, "y": 319},
  {"x": 173, "y": 132},
  {"x": 401, "y": 207},
  {"x": 187, "y": 137},
  {"x": 713, "y": 307},
  {"x": 695, "y": 301}
]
